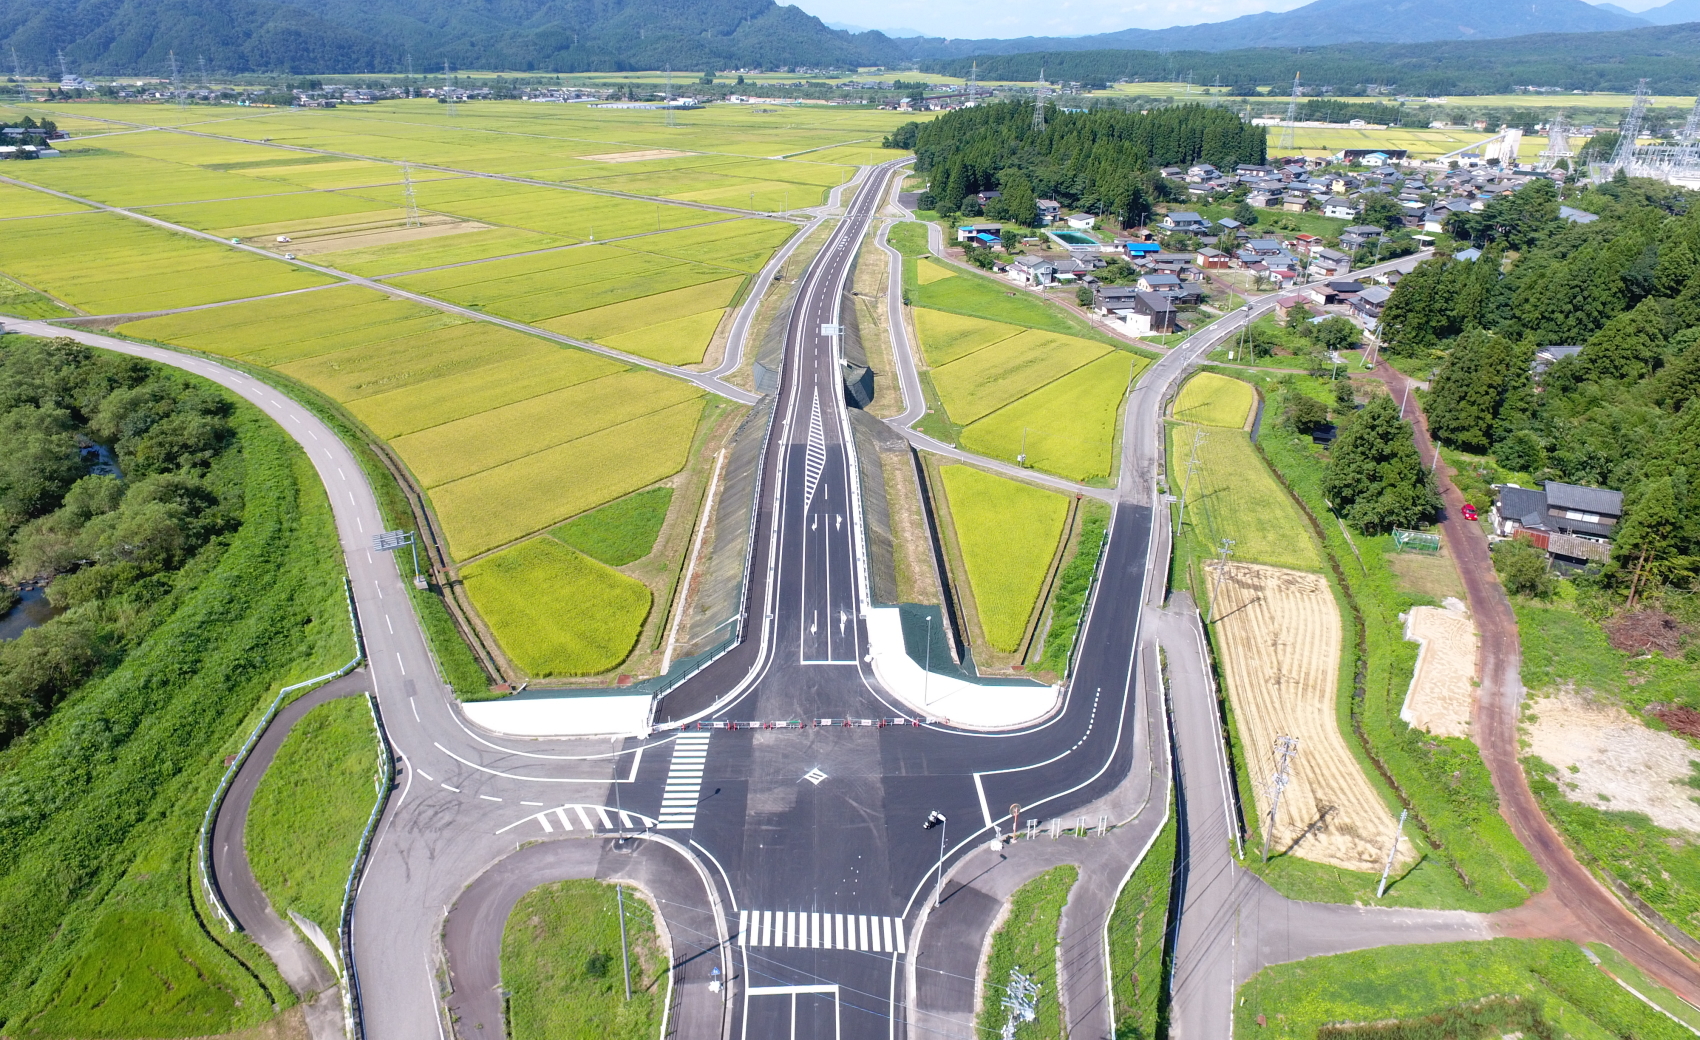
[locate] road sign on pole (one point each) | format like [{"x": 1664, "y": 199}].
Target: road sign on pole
[{"x": 392, "y": 540}]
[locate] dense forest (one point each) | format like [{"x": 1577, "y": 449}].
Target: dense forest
[
  {"x": 111, "y": 545},
  {"x": 1667, "y": 55},
  {"x": 1623, "y": 413},
  {"x": 1101, "y": 161}
]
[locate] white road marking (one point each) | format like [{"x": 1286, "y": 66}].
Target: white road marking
[
  {"x": 415, "y": 708},
  {"x": 387, "y": 622},
  {"x": 818, "y": 931},
  {"x": 456, "y": 790},
  {"x": 403, "y": 667},
  {"x": 684, "y": 781},
  {"x": 427, "y": 776},
  {"x": 489, "y": 798}
]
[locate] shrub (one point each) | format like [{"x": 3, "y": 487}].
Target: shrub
[{"x": 1523, "y": 569}]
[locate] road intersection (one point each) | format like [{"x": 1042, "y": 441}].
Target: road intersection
[{"x": 789, "y": 865}]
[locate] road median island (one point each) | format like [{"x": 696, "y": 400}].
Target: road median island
[{"x": 1024, "y": 948}]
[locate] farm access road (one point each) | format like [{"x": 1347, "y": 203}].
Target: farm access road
[{"x": 1575, "y": 905}]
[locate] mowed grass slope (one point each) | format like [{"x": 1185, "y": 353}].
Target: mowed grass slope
[
  {"x": 555, "y": 611},
  {"x": 1232, "y": 494},
  {"x": 562, "y": 970},
  {"x": 305, "y": 821},
  {"x": 1007, "y": 533}
]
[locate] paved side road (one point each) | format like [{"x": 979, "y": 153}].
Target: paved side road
[{"x": 302, "y": 967}]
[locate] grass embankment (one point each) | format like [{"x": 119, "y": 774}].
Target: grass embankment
[
  {"x": 307, "y": 815},
  {"x": 1563, "y": 647},
  {"x": 103, "y": 932},
  {"x": 1406, "y": 982},
  {"x": 561, "y": 965},
  {"x": 1027, "y": 941},
  {"x": 23, "y": 302},
  {"x": 1068, "y": 599},
  {"x": 909, "y": 238},
  {"x": 1139, "y": 967},
  {"x": 1470, "y": 858},
  {"x": 1007, "y": 534}
]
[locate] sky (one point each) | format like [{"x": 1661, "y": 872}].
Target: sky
[{"x": 1002, "y": 19}]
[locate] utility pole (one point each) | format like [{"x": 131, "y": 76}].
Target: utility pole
[
  {"x": 1285, "y": 749},
  {"x": 1225, "y": 550},
  {"x": 939, "y": 820},
  {"x": 1398, "y": 833},
  {"x": 927, "y": 671},
  {"x": 625, "y": 955}
]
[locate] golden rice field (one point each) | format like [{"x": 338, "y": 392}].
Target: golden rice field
[
  {"x": 508, "y": 433},
  {"x": 555, "y": 611},
  {"x": 1007, "y": 533},
  {"x": 1017, "y": 391},
  {"x": 1213, "y": 400},
  {"x": 1232, "y": 494}
]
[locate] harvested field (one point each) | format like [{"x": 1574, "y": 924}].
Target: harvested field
[
  {"x": 1213, "y": 400},
  {"x": 376, "y": 237},
  {"x": 1443, "y": 692},
  {"x": 1608, "y": 760},
  {"x": 1007, "y": 533},
  {"x": 556, "y": 611},
  {"x": 638, "y": 156},
  {"x": 1279, "y": 639}
]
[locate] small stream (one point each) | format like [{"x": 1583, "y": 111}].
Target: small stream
[{"x": 32, "y": 609}]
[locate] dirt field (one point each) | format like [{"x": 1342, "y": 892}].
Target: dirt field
[
  {"x": 1280, "y": 635},
  {"x": 1600, "y": 749},
  {"x": 1443, "y": 692},
  {"x": 335, "y": 239},
  {"x": 620, "y": 157},
  {"x": 1435, "y": 575}
]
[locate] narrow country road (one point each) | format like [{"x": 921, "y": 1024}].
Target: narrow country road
[{"x": 1575, "y": 904}]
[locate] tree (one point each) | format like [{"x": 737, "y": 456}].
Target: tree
[
  {"x": 1523, "y": 568},
  {"x": 1463, "y": 402},
  {"x": 1304, "y": 413},
  {"x": 1384, "y": 212},
  {"x": 1646, "y": 544},
  {"x": 1337, "y": 333},
  {"x": 1374, "y": 477},
  {"x": 1246, "y": 213},
  {"x": 1083, "y": 295}
]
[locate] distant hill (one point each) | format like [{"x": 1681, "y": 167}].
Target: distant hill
[
  {"x": 1673, "y": 13},
  {"x": 1668, "y": 56},
  {"x": 1324, "y": 22},
  {"x": 106, "y": 37}
]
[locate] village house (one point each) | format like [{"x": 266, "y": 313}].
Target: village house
[
  {"x": 1032, "y": 271},
  {"x": 1186, "y": 222},
  {"x": 1573, "y": 523}
]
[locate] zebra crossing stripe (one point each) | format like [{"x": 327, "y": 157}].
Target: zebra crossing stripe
[
  {"x": 819, "y": 931},
  {"x": 684, "y": 781},
  {"x": 814, "y": 457}
]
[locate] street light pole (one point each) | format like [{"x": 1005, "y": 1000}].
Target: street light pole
[{"x": 927, "y": 671}]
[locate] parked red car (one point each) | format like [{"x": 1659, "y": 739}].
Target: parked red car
[{"x": 1469, "y": 511}]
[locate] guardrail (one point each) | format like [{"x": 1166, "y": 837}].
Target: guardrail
[
  {"x": 351, "y": 1010},
  {"x": 209, "y": 882}
]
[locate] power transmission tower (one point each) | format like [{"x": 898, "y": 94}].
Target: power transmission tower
[
  {"x": 206, "y": 80},
  {"x": 974, "y": 82},
  {"x": 64, "y": 70},
  {"x": 1631, "y": 129},
  {"x": 1558, "y": 141},
  {"x": 448, "y": 91},
  {"x": 410, "y": 73},
  {"x": 176, "y": 87},
  {"x": 1198, "y": 436},
  {"x": 1020, "y": 1001},
  {"x": 1039, "y": 102},
  {"x": 1285, "y": 749},
  {"x": 412, "y": 203},
  {"x": 1223, "y": 550},
  {"x": 669, "y": 101},
  {"x": 18, "y": 77},
  {"x": 1292, "y": 117}
]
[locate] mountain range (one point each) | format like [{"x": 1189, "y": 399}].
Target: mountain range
[{"x": 105, "y": 37}]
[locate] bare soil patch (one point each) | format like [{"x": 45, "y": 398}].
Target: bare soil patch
[
  {"x": 332, "y": 240},
  {"x": 623, "y": 157},
  {"x": 1443, "y": 692},
  {"x": 1606, "y": 758},
  {"x": 1280, "y": 635},
  {"x": 1645, "y": 631}
]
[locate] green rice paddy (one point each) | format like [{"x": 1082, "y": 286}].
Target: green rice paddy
[
  {"x": 620, "y": 532},
  {"x": 1212, "y": 400},
  {"x": 1007, "y": 533},
  {"x": 529, "y": 593},
  {"x": 1232, "y": 494}
]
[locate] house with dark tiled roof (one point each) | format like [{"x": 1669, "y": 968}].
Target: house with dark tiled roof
[{"x": 1574, "y": 523}]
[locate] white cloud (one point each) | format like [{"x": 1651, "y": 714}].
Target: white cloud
[{"x": 982, "y": 19}]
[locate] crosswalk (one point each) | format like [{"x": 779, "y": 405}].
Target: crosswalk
[
  {"x": 684, "y": 781},
  {"x": 597, "y": 819},
  {"x": 816, "y": 931}
]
